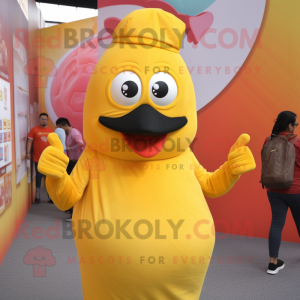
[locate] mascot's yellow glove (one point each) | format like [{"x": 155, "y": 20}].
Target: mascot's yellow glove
[
  {"x": 240, "y": 157},
  {"x": 53, "y": 162}
]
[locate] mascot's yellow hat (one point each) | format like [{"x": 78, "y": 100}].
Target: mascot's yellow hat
[
  {"x": 151, "y": 27},
  {"x": 140, "y": 102}
]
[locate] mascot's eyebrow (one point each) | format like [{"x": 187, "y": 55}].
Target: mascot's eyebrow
[{"x": 127, "y": 63}]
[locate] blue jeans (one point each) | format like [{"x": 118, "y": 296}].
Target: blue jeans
[
  {"x": 279, "y": 206},
  {"x": 39, "y": 176},
  {"x": 38, "y": 182}
]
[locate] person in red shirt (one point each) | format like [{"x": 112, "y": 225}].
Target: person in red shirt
[
  {"x": 281, "y": 200},
  {"x": 37, "y": 139}
]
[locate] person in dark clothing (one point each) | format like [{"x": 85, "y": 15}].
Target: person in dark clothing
[
  {"x": 74, "y": 146},
  {"x": 281, "y": 200}
]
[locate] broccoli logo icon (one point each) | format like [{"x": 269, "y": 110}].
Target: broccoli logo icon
[
  {"x": 94, "y": 165},
  {"x": 39, "y": 258},
  {"x": 41, "y": 68}
]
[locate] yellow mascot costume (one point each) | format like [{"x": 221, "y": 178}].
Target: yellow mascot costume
[{"x": 141, "y": 224}]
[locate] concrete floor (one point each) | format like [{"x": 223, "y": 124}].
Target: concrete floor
[{"x": 226, "y": 278}]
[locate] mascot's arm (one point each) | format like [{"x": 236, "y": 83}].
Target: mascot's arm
[
  {"x": 63, "y": 189},
  {"x": 218, "y": 183},
  {"x": 214, "y": 184}
]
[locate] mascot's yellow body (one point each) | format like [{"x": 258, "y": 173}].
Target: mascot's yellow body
[{"x": 141, "y": 224}]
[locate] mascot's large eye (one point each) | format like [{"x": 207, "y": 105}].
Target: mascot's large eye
[
  {"x": 162, "y": 89},
  {"x": 126, "y": 88}
]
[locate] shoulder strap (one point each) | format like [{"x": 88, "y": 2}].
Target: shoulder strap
[{"x": 294, "y": 139}]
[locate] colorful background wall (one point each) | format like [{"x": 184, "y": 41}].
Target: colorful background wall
[
  {"x": 243, "y": 57},
  {"x": 20, "y": 21},
  {"x": 267, "y": 84}
]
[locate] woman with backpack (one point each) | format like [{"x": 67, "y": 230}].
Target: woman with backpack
[{"x": 281, "y": 176}]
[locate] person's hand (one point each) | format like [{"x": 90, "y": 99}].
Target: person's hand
[
  {"x": 53, "y": 162},
  {"x": 28, "y": 156},
  {"x": 68, "y": 148},
  {"x": 240, "y": 157}
]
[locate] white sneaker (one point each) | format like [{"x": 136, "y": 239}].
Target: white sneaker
[
  {"x": 274, "y": 269},
  {"x": 69, "y": 220}
]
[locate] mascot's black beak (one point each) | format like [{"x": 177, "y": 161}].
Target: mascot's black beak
[{"x": 144, "y": 120}]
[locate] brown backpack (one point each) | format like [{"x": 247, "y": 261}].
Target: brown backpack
[{"x": 278, "y": 161}]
